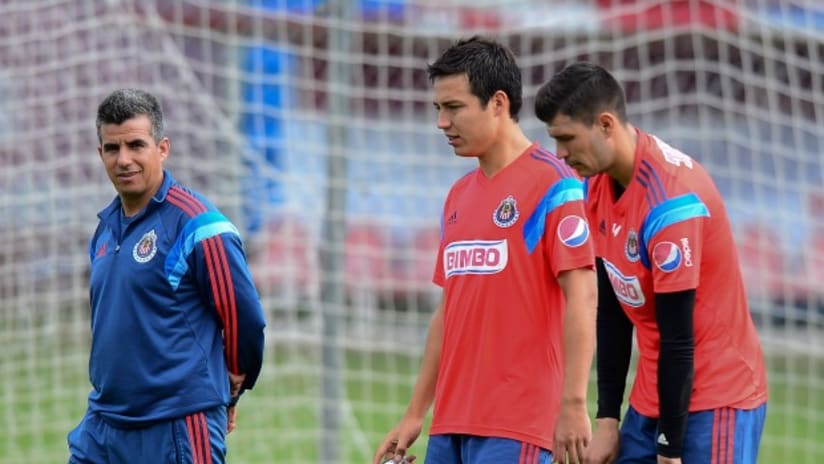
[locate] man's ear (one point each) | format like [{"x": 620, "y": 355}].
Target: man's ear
[
  {"x": 607, "y": 122},
  {"x": 164, "y": 147},
  {"x": 501, "y": 102}
]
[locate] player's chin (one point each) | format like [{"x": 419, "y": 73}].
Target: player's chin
[
  {"x": 464, "y": 152},
  {"x": 129, "y": 189},
  {"x": 582, "y": 170}
]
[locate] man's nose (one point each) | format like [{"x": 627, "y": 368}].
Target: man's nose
[
  {"x": 443, "y": 121},
  {"x": 124, "y": 157}
]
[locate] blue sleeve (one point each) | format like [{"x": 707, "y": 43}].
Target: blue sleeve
[
  {"x": 560, "y": 193},
  {"x": 211, "y": 246},
  {"x": 672, "y": 211}
]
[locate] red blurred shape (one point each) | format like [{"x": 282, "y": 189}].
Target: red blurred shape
[
  {"x": 634, "y": 16},
  {"x": 479, "y": 18},
  {"x": 762, "y": 262},
  {"x": 417, "y": 276},
  {"x": 811, "y": 277},
  {"x": 366, "y": 259},
  {"x": 286, "y": 264}
]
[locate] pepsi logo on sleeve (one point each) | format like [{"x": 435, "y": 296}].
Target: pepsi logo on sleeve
[
  {"x": 667, "y": 256},
  {"x": 573, "y": 231}
]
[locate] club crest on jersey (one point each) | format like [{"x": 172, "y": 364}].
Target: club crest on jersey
[
  {"x": 506, "y": 213},
  {"x": 632, "y": 248},
  {"x": 667, "y": 256},
  {"x": 573, "y": 231},
  {"x": 146, "y": 248}
]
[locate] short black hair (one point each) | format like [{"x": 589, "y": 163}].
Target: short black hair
[
  {"x": 124, "y": 104},
  {"x": 489, "y": 66},
  {"x": 581, "y": 91}
]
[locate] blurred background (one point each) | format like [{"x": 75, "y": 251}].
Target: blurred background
[{"x": 309, "y": 123}]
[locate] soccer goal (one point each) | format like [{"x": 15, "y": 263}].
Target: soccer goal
[{"x": 310, "y": 124}]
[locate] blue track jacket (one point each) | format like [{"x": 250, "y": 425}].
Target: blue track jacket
[{"x": 173, "y": 309}]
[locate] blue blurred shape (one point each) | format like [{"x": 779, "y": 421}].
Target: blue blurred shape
[
  {"x": 795, "y": 16},
  {"x": 383, "y": 9},
  {"x": 369, "y": 9},
  {"x": 292, "y": 6},
  {"x": 266, "y": 95}
]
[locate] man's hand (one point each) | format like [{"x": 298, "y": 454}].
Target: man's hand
[
  {"x": 235, "y": 382},
  {"x": 231, "y": 413},
  {"x": 663, "y": 460},
  {"x": 573, "y": 432},
  {"x": 398, "y": 440},
  {"x": 605, "y": 442}
]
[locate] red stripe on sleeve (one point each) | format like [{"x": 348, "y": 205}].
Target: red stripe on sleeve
[
  {"x": 231, "y": 310},
  {"x": 224, "y": 298},
  {"x": 209, "y": 253},
  {"x": 180, "y": 204},
  {"x": 194, "y": 204}
]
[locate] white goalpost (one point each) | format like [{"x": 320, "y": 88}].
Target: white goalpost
[{"x": 310, "y": 124}]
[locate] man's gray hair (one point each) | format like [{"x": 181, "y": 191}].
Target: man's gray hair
[{"x": 124, "y": 104}]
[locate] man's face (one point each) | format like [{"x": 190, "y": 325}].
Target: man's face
[
  {"x": 134, "y": 162},
  {"x": 584, "y": 148},
  {"x": 469, "y": 127}
]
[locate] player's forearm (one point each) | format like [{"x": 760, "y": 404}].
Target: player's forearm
[
  {"x": 614, "y": 348},
  {"x": 250, "y": 342},
  {"x": 579, "y": 332},
  {"x": 675, "y": 368},
  {"x": 424, "y": 392},
  {"x": 243, "y": 321}
]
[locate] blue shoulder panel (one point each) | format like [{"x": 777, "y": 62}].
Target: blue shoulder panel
[
  {"x": 562, "y": 192},
  {"x": 671, "y": 211},
  {"x": 198, "y": 229}
]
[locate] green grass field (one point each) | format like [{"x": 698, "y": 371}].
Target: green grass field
[{"x": 44, "y": 386}]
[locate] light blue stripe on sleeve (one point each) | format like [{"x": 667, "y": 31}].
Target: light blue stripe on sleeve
[
  {"x": 200, "y": 228},
  {"x": 562, "y": 192},
  {"x": 673, "y": 211}
]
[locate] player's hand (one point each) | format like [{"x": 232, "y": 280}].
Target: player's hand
[
  {"x": 235, "y": 382},
  {"x": 231, "y": 414},
  {"x": 573, "y": 432},
  {"x": 663, "y": 460},
  {"x": 605, "y": 443},
  {"x": 398, "y": 440}
]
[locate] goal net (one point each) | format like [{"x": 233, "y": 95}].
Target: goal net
[{"x": 309, "y": 123}]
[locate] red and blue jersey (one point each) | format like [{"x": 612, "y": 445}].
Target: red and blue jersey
[
  {"x": 504, "y": 242},
  {"x": 173, "y": 309},
  {"x": 669, "y": 232}
]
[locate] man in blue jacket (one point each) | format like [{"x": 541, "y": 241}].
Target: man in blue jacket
[{"x": 176, "y": 322}]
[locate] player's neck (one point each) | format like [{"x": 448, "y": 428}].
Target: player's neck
[
  {"x": 509, "y": 147},
  {"x": 131, "y": 206},
  {"x": 624, "y": 165}
]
